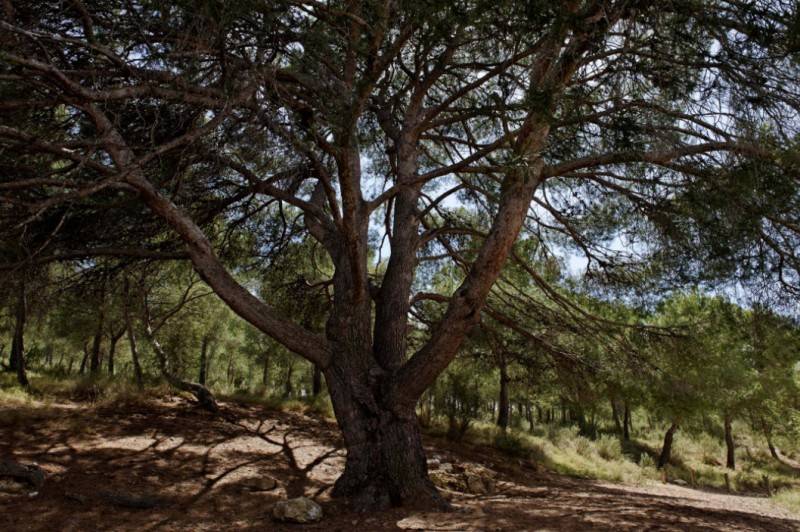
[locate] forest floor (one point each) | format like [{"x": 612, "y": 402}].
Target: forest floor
[{"x": 195, "y": 471}]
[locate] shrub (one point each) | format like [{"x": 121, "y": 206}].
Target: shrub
[
  {"x": 609, "y": 448},
  {"x": 511, "y": 445},
  {"x": 646, "y": 461}
]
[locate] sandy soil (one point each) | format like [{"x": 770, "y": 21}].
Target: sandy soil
[{"x": 194, "y": 471}]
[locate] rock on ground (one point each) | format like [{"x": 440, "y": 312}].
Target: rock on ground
[{"x": 299, "y": 510}]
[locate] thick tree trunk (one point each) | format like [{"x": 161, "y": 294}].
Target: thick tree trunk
[
  {"x": 666, "y": 449},
  {"x": 502, "y": 399},
  {"x": 386, "y": 463},
  {"x": 729, "y": 444},
  {"x": 626, "y": 423},
  {"x": 17, "y": 361}
]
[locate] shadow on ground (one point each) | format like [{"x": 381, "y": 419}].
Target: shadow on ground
[{"x": 170, "y": 466}]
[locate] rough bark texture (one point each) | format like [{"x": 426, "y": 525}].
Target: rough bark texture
[
  {"x": 386, "y": 463},
  {"x": 666, "y": 449},
  {"x": 730, "y": 462}
]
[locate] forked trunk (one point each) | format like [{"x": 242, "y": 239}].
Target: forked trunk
[
  {"x": 730, "y": 462},
  {"x": 666, "y": 450},
  {"x": 386, "y": 463}
]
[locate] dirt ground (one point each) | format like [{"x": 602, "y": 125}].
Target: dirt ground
[{"x": 193, "y": 471}]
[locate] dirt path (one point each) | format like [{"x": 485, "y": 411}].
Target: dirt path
[{"x": 193, "y": 471}]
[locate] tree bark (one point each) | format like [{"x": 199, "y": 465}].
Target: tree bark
[
  {"x": 666, "y": 449},
  {"x": 729, "y": 444},
  {"x": 502, "y": 400},
  {"x": 385, "y": 463},
  {"x": 17, "y": 360}
]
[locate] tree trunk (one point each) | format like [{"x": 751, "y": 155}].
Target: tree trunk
[
  {"x": 386, "y": 463},
  {"x": 112, "y": 349},
  {"x": 287, "y": 384},
  {"x": 626, "y": 423},
  {"x": 502, "y": 400},
  {"x": 17, "y": 361},
  {"x": 666, "y": 449},
  {"x": 729, "y": 443},
  {"x": 94, "y": 366},
  {"x": 137, "y": 368},
  {"x": 316, "y": 381},
  {"x": 85, "y": 358},
  {"x": 201, "y": 378},
  {"x": 265, "y": 372},
  {"x": 615, "y": 416}
]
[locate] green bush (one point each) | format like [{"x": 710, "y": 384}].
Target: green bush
[{"x": 609, "y": 448}]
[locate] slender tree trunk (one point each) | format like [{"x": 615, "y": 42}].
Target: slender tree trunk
[
  {"x": 666, "y": 449},
  {"x": 17, "y": 361},
  {"x": 265, "y": 372},
  {"x": 529, "y": 416},
  {"x": 112, "y": 350},
  {"x": 94, "y": 366},
  {"x": 316, "y": 381},
  {"x": 287, "y": 384},
  {"x": 502, "y": 400},
  {"x": 615, "y": 416},
  {"x": 729, "y": 443},
  {"x": 201, "y": 378},
  {"x": 626, "y": 423},
  {"x": 137, "y": 368}
]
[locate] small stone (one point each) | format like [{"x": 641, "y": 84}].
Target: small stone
[
  {"x": 446, "y": 467},
  {"x": 299, "y": 510},
  {"x": 680, "y": 482},
  {"x": 475, "y": 484},
  {"x": 9, "y": 485},
  {"x": 434, "y": 464},
  {"x": 258, "y": 484}
]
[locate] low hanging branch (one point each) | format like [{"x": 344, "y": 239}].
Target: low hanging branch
[{"x": 203, "y": 395}]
